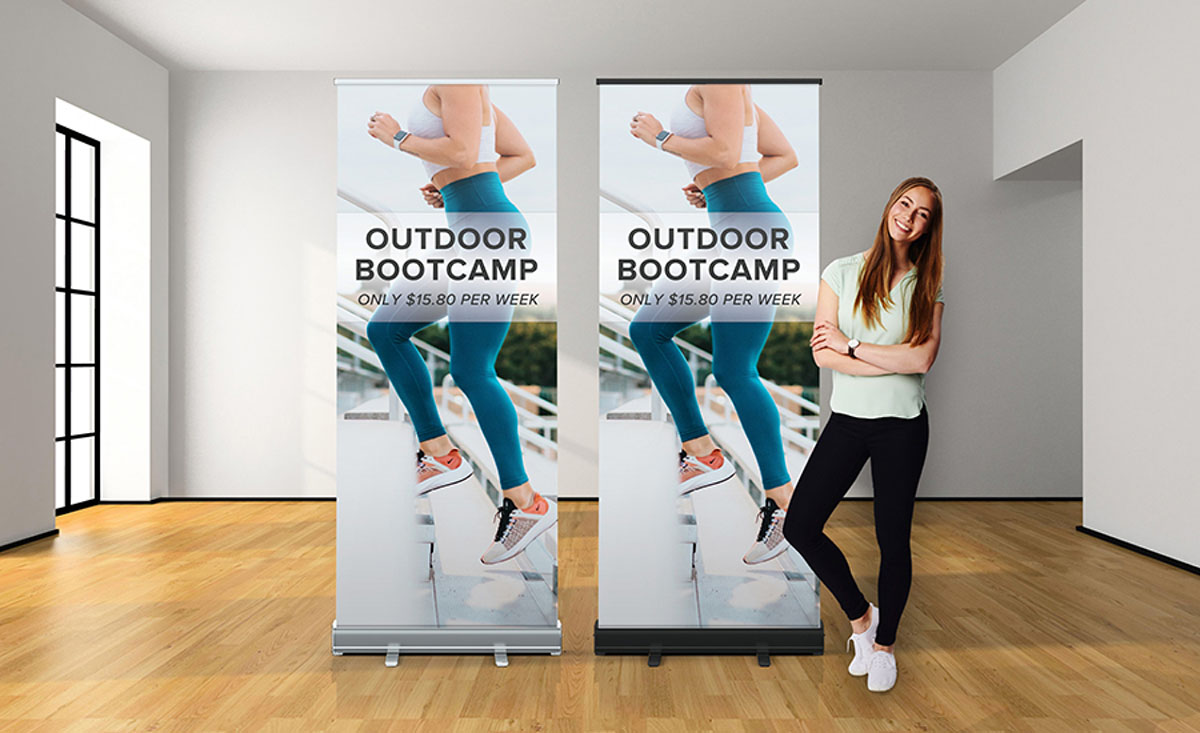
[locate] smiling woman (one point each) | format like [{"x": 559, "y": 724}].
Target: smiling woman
[{"x": 878, "y": 327}]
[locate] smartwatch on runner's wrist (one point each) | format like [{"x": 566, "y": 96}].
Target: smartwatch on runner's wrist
[
  {"x": 851, "y": 346},
  {"x": 661, "y": 138},
  {"x": 398, "y": 138}
]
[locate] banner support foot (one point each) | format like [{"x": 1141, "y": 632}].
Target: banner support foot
[{"x": 655, "y": 658}]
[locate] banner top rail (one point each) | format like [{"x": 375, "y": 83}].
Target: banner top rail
[
  {"x": 709, "y": 80},
  {"x": 444, "y": 80}
]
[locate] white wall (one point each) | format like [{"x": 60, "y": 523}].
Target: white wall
[
  {"x": 252, "y": 284},
  {"x": 48, "y": 50},
  {"x": 1121, "y": 77},
  {"x": 1002, "y": 424},
  {"x": 253, "y": 289}
]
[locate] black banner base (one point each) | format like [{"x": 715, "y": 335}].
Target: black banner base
[{"x": 759, "y": 642}]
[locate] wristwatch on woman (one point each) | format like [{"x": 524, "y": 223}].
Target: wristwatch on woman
[
  {"x": 398, "y": 138},
  {"x": 851, "y": 346},
  {"x": 661, "y": 138}
]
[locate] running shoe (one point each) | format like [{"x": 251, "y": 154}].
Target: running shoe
[
  {"x": 700, "y": 472},
  {"x": 438, "y": 472},
  {"x": 518, "y": 528},
  {"x": 770, "y": 542},
  {"x": 881, "y": 672},
  {"x": 864, "y": 646}
]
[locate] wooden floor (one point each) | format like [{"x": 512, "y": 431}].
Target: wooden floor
[{"x": 216, "y": 616}]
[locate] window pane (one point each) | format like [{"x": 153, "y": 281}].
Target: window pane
[
  {"x": 83, "y": 396},
  {"x": 60, "y": 253},
  {"x": 60, "y": 163},
  {"x": 83, "y": 470},
  {"x": 83, "y": 257},
  {"x": 60, "y": 401},
  {"x": 60, "y": 328},
  {"x": 60, "y": 475},
  {"x": 83, "y": 328},
  {"x": 83, "y": 189}
]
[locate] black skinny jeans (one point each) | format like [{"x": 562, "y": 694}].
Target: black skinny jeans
[{"x": 896, "y": 447}]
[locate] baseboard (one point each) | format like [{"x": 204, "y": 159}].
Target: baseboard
[
  {"x": 919, "y": 498},
  {"x": 247, "y": 499},
  {"x": 160, "y": 499},
  {"x": 1140, "y": 550},
  {"x": 27, "y": 540},
  {"x": 978, "y": 498}
]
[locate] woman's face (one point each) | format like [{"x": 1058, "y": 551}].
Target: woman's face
[{"x": 908, "y": 219}]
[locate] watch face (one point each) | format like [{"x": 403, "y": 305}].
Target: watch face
[{"x": 662, "y": 135}]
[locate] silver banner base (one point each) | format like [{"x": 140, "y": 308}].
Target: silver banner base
[{"x": 496, "y": 640}]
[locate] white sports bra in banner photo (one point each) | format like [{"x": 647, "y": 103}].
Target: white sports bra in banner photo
[
  {"x": 686, "y": 123},
  {"x": 424, "y": 123}
]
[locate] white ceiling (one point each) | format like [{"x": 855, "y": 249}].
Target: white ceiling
[{"x": 549, "y": 37}]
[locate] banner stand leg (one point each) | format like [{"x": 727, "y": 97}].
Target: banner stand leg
[
  {"x": 760, "y": 642},
  {"x": 764, "y": 657},
  {"x": 501, "y": 656},
  {"x": 393, "y": 656},
  {"x": 655, "y": 658}
]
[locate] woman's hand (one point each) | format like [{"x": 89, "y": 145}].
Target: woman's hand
[
  {"x": 432, "y": 195},
  {"x": 695, "y": 196},
  {"x": 645, "y": 128},
  {"x": 383, "y": 128},
  {"x": 828, "y": 336}
]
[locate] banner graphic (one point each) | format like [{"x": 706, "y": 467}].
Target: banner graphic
[
  {"x": 446, "y": 364},
  {"x": 709, "y": 266}
]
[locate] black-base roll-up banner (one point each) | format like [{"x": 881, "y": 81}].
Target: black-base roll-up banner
[
  {"x": 709, "y": 269},
  {"x": 446, "y": 364}
]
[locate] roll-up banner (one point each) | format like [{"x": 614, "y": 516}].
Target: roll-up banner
[
  {"x": 446, "y": 366},
  {"x": 709, "y": 270}
]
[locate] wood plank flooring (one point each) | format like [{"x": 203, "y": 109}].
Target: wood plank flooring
[{"x": 216, "y": 617}]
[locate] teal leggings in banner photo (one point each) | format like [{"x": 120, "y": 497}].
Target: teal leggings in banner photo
[
  {"x": 474, "y": 344},
  {"x": 741, "y": 202}
]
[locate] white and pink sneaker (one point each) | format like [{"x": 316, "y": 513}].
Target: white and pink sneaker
[
  {"x": 437, "y": 472},
  {"x": 700, "y": 472},
  {"x": 519, "y": 527}
]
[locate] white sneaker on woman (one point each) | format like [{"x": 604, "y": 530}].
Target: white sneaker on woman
[
  {"x": 864, "y": 645},
  {"x": 881, "y": 671}
]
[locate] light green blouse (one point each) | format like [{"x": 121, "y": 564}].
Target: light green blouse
[{"x": 888, "y": 395}]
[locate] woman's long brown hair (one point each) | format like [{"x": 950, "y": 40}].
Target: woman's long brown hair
[{"x": 925, "y": 254}]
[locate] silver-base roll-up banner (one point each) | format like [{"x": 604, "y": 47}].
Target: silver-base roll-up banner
[
  {"x": 709, "y": 270},
  {"x": 447, "y": 417}
]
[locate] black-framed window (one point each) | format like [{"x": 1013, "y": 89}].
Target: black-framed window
[{"x": 77, "y": 310}]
